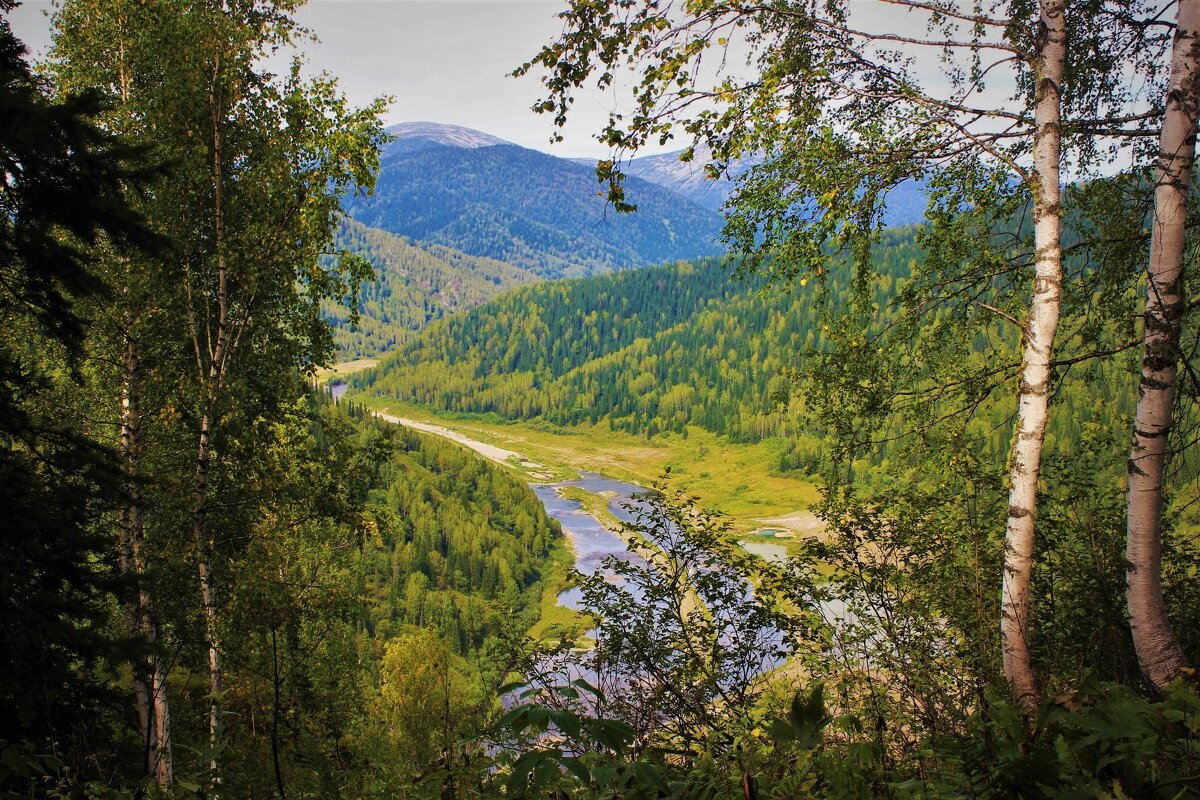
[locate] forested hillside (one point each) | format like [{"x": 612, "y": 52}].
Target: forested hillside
[
  {"x": 459, "y": 544},
  {"x": 543, "y": 214},
  {"x": 412, "y": 286},
  {"x": 661, "y": 349},
  {"x": 637, "y": 349}
]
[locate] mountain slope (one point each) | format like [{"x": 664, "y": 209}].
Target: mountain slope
[
  {"x": 645, "y": 351},
  {"x": 905, "y": 204},
  {"x": 686, "y": 178},
  {"x": 460, "y": 188},
  {"x": 671, "y": 347},
  {"x": 414, "y": 286}
]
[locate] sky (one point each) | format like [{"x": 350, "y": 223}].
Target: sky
[
  {"x": 442, "y": 61},
  {"x": 450, "y": 61}
]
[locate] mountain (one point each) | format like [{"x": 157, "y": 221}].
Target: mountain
[
  {"x": 905, "y": 204},
  {"x": 414, "y": 285},
  {"x": 440, "y": 133},
  {"x": 687, "y": 177},
  {"x": 673, "y": 347},
  {"x": 485, "y": 197},
  {"x": 643, "y": 351}
]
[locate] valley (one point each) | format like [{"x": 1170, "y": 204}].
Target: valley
[
  {"x": 822, "y": 425},
  {"x": 736, "y": 480}
]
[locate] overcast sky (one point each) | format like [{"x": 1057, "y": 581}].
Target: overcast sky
[
  {"x": 450, "y": 60},
  {"x": 442, "y": 60}
]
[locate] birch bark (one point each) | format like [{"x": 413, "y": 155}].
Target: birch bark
[
  {"x": 1158, "y": 650},
  {"x": 1038, "y": 340}
]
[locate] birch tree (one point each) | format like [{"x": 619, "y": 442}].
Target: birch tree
[
  {"x": 841, "y": 103},
  {"x": 257, "y": 165},
  {"x": 1158, "y": 650},
  {"x": 66, "y": 186},
  {"x": 96, "y": 50}
]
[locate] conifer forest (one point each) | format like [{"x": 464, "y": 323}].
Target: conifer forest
[{"x": 830, "y": 430}]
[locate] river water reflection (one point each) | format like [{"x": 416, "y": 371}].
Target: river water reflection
[{"x": 590, "y": 540}]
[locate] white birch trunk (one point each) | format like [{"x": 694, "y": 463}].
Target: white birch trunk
[
  {"x": 154, "y": 709},
  {"x": 219, "y": 346},
  {"x": 1158, "y": 650},
  {"x": 1038, "y": 340},
  {"x": 149, "y": 683},
  {"x": 208, "y": 594}
]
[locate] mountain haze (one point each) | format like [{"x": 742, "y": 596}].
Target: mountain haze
[
  {"x": 687, "y": 177},
  {"x": 905, "y": 203},
  {"x": 471, "y": 191}
]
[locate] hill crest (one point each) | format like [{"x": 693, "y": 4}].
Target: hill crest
[{"x": 444, "y": 133}]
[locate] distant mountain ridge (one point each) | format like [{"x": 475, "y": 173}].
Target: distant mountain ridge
[
  {"x": 474, "y": 192},
  {"x": 906, "y": 203},
  {"x": 687, "y": 177},
  {"x": 442, "y": 133}
]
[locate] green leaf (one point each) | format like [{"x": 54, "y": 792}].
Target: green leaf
[
  {"x": 614, "y": 735},
  {"x": 535, "y": 769},
  {"x": 649, "y": 775},
  {"x": 576, "y": 767},
  {"x": 567, "y": 722},
  {"x": 511, "y": 687},
  {"x": 539, "y": 717},
  {"x": 587, "y": 687},
  {"x": 517, "y": 719}
]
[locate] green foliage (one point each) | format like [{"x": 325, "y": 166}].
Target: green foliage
[
  {"x": 379, "y": 565},
  {"x": 66, "y": 186},
  {"x": 846, "y": 736},
  {"x": 372, "y": 583},
  {"x": 413, "y": 286},
  {"x": 458, "y": 544},
  {"x": 623, "y": 348},
  {"x": 427, "y": 704},
  {"x": 585, "y": 756},
  {"x": 805, "y": 720},
  {"x": 840, "y": 385},
  {"x": 837, "y": 110},
  {"x": 1099, "y": 740},
  {"x": 65, "y": 182}
]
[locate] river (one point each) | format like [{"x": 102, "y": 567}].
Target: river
[{"x": 591, "y": 541}]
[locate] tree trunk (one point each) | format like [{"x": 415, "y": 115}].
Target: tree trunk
[
  {"x": 208, "y": 595},
  {"x": 154, "y": 710},
  {"x": 162, "y": 764},
  {"x": 153, "y": 705},
  {"x": 1038, "y": 340},
  {"x": 218, "y": 348},
  {"x": 275, "y": 717},
  {"x": 131, "y": 611},
  {"x": 1158, "y": 650}
]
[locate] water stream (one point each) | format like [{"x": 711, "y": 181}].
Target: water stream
[{"x": 590, "y": 540}]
